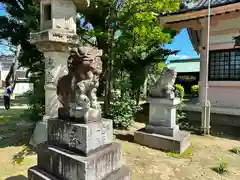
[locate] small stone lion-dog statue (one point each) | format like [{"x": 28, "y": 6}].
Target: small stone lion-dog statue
[
  {"x": 164, "y": 85},
  {"x": 78, "y": 88}
]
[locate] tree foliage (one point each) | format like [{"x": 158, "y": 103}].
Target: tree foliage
[
  {"x": 24, "y": 17},
  {"x": 129, "y": 34},
  {"x": 127, "y": 31}
]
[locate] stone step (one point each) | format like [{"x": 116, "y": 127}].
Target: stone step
[
  {"x": 84, "y": 138},
  {"x": 35, "y": 173},
  {"x": 121, "y": 174},
  {"x": 176, "y": 144},
  {"x": 72, "y": 166}
]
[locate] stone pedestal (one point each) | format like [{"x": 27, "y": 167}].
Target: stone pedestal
[
  {"x": 161, "y": 132},
  {"x": 68, "y": 150},
  {"x": 79, "y": 151}
]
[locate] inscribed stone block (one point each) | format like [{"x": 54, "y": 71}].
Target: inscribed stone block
[
  {"x": 71, "y": 166},
  {"x": 84, "y": 138}
]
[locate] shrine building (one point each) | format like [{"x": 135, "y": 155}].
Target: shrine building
[{"x": 223, "y": 69}]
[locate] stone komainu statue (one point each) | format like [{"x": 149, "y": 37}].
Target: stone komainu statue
[
  {"x": 78, "y": 88},
  {"x": 164, "y": 85}
]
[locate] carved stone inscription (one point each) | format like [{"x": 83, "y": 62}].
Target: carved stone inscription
[
  {"x": 49, "y": 66},
  {"x": 73, "y": 139},
  {"x": 82, "y": 137}
]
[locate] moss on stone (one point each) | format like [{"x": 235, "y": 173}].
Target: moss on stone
[{"x": 185, "y": 155}]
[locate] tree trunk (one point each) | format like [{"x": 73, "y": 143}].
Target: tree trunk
[
  {"x": 108, "y": 88},
  {"x": 145, "y": 87},
  {"x": 107, "y": 97},
  {"x": 103, "y": 82},
  {"x": 138, "y": 94}
]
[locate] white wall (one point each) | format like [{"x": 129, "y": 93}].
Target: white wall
[
  {"x": 224, "y": 93},
  {"x": 5, "y": 64},
  {"x": 225, "y": 25},
  {"x": 21, "y": 88}
]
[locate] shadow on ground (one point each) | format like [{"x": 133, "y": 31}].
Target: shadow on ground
[
  {"x": 228, "y": 132},
  {"x": 19, "y": 177},
  {"x": 125, "y": 137},
  {"x": 14, "y": 131}
]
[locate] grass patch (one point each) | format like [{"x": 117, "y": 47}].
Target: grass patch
[
  {"x": 222, "y": 168},
  {"x": 12, "y": 123},
  {"x": 235, "y": 150},
  {"x": 185, "y": 155},
  {"x": 10, "y": 115}
]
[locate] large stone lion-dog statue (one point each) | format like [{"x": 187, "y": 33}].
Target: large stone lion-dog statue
[
  {"x": 164, "y": 85},
  {"x": 78, "y": 88}
]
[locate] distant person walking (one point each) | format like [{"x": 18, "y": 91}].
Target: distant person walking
[{"x": 7, "y": 93}]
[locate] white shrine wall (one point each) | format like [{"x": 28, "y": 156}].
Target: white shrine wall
[{"x": 224, "y": 93}]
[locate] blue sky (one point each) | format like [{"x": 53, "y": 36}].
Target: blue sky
[
  {"x": 181, "y": 42},
  {"x": 1, "y": 9}
]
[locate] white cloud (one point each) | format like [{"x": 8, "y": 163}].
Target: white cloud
[{"x": 175, "y": 57}]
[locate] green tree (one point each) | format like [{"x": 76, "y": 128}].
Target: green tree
[
  {"x": 24, "y": 17},
  {"x": 138, "y": 66},
  {"x": 125, "y": 26},
  {"x": 129, "y": 26}
]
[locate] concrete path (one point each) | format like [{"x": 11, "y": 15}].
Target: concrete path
[{"x": 15, "y": 107}]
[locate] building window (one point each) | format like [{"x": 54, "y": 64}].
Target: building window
[
  {"x": 47, "y": 10},
  {"x": 224, "y": 65}
]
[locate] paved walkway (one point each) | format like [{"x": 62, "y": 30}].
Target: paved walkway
[{"x": 15, "y": 107}]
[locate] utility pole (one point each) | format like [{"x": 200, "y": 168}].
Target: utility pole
[{"x": 206, "y": 108}]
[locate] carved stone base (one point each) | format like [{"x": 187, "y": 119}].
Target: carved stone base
[
  {"x": 34, "y": 173},
  {"x": 176, "y": 144},
  {"x": 68, "y": 165},
  {"x": 162, "y": 111},
  {"x": 40, "y": 133},
  {"x": 79, "y": 152},
  {"x": 162, "y": 130},
  {"x": 82, "y": 138}
]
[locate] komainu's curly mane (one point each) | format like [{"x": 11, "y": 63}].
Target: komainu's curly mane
[
  {"x": 84, "y": 68},
  {"x": 164, "y": 85}
]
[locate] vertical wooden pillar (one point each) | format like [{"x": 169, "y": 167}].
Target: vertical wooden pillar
[{"x": 203, "y": 62}]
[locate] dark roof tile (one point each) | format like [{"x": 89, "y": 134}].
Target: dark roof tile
[{"x": 202, "y": 4}]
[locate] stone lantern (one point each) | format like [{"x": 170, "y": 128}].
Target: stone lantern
[{"x": 57, "y": 34}]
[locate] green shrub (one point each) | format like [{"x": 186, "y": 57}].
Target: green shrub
[
  {"x": 122, "y": 110},
  {"x": 222, "y": 168},
  {"x": 180, "y": 113},
  {"x": 235, "y": 150},
  {"x": 185, "y": 155},
  {"x": 19, "y": 157},
  {"x": 180, "y": 91},
  {"x": 36, "y": 102},
  {"x": 195, "y": 90}
]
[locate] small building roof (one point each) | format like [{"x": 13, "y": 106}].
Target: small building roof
[
  {"x": 200, "y": 5},
  {"x": 186, "y": 65}
]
